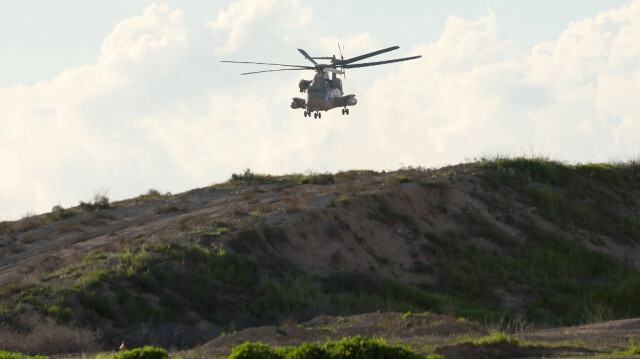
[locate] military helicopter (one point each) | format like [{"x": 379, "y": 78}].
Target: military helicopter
[{"x": 324, "y": 92}]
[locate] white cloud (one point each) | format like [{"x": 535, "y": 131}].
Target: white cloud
[
  {"x": 248, "y": 19},
  {"x": 353, "y": 46},
  {"x": 445, "y": 106},
  {"x": 155, "y": 40},
  {"x": 592, "y": 70},
  {"x": 474, "y": 94},
  {"x": 54, "y": 144}
]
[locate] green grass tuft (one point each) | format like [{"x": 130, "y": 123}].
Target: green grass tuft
[
  {"x": 12, "y": 355},
  {"x": 147, "y": 352},
  {"x": 354, "y": 347},
  {"x": 497, "y": 338}
]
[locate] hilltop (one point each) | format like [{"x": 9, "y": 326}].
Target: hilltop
[{"x": 516, "y": 244}]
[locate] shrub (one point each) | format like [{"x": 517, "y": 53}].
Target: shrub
[
  {"x": 395, "y": 179},
  {"x": 355, "y": 347},
  {"x": 151, "y": 195},
  {"x": 307, "y": 351},
  {"x": 58, "y": 213},
  {"x": 45, "y": 338},
  {"x": 526, "y": 170},
  {"x": 28, "y": 222},
  {"x": 100, "y": 201},
  {"x": 11, "y": 355},
  {"x": 318, "y": 178},
  {"x": 633, "y": 350},
  {"x": 253, "y": 351},
  {"x": 358, "y": 347},
  {"x": 147, "y": 352},
  {"x": 497, "y": 338}
]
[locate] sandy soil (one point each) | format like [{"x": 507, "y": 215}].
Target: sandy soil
[
  {"x": 328, "y": 229},
  {"x": 429, "y": 333}
]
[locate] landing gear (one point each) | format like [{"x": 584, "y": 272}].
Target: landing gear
[
  {"x": 345, "y": 111},
  {"x": 317, "y": 114}
]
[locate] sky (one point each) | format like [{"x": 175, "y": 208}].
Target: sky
[{"x": 119, "y": 97}]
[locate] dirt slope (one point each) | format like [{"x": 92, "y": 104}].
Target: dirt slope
[
  {"x": 458, "y": 240},
  {"x": 328, "y": 227},
  {"x": 429, "y": 333}
]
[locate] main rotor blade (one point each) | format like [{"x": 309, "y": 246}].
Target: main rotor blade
[
  {"x": 362, "y": 57},
  {"x": 259, "y": 72},
  {"x": 304, "y": 53},
  {"x": 270, "y": 64},
  {"x": 380, "y": 62}
]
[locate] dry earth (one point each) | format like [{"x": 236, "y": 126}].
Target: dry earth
[
  {"x": 329, "y": 228},
  {"x": 429, "y": 333}
]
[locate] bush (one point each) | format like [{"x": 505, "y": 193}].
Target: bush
[
  {"x": 358, "y": 347},
  {"x": 100, "y": 202},
  {"x": 253, "y": 351},
  {"x": 497, "y": 338},
  {"x": 355, "y": 347},
  {"x": 147, "y": 352},
  {"x": 307, "y": 351},
  {"x": 151, "y": 195},
  {"x": 396, "y": 179},
  {"x": 318, "y": 178},
  {"x": 633, "y": 350},
  {"x": 11, "y": 355},
  {"x": 58, "y": 213}
]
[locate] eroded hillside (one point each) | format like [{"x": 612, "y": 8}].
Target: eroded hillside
[{"x": 510, "y": 241}]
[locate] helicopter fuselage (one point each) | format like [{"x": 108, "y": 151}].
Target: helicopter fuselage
[{"x": 323, "y": 93}]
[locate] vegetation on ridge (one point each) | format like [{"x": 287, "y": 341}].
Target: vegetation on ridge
[
  {"x": 355, "y": 347},
  {"x": 530, "y": 252}
]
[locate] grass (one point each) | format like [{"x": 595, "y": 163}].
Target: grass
[
  {"x": 385, "y": 213},
  {"x": 12, "y": 355},
  {"x": 396, "y": 179},
  {"x": 251, "y": 179},
  {"x": 353, "y": 347},
  {"x": 561, "y": 282},
  {"x": 585, "y": 196},
  {"x": 497, "y": 338},
  {"x": 151, "y": 195},
  {"x": 550, "y": 271},
  {"x": 633, "y": 350},
  {"x": 218, "y": 285},
  {"x": 100, "y": 202},
  {"x": 146, "y": 352},
  {"x": 362, "y": 293},
  {"x": 557, "y": 281},
  {"x": 211, "y": 231}
]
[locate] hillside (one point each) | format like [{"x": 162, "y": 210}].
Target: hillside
[{"x": 512, "y": 243}]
